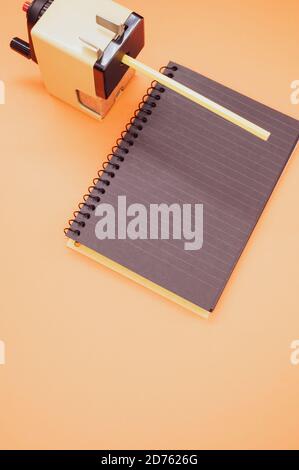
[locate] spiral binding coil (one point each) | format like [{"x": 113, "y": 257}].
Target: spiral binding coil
[{"x": 109, "y": 168}]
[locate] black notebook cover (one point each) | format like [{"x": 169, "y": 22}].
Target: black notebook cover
[{"x": 185, "y": 154}]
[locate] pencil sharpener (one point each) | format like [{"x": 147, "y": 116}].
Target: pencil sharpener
[{"x": 78, "y": 45}]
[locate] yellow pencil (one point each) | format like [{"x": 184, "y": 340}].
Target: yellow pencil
[{"x": 197, "y": 98}]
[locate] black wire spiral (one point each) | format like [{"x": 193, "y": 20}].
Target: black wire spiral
[{"x": 118, "y": 153}]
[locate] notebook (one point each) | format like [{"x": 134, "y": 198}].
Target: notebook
[{"x": 173, "y": 151}]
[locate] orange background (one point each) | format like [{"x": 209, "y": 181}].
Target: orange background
[{"x": 95, "y": 361}]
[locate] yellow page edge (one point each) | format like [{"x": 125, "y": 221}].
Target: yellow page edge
[{"x": 116, "y": 267}]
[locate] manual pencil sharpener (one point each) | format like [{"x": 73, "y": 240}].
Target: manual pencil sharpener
[{"x": 79, "y": 45}]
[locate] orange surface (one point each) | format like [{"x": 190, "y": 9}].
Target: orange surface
[{"x": 95, "y": 361}]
